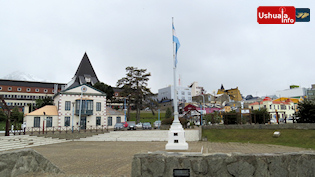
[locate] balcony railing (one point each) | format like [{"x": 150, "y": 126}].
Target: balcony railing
[{"x": 84, "y": 112}]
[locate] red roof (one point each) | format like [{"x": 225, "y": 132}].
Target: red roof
[{"x": 267, "y": 99}]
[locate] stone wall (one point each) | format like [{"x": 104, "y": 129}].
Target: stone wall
[
  {"x": 303, "y": 126},
  {"x": 236, "y": 164},
  {"x": 17, "y": 162}
]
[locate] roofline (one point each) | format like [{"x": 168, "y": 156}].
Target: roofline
[{"x": 72, "y": 93}]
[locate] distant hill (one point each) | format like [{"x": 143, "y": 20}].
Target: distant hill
[{"x": 19, "y": 75}]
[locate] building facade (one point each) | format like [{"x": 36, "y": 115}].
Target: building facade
[
  {"x": 233, "y": 93},
  {"x": 285, "y": 108},
  {"x": 183, "y": 94},
  {"x": 22, "y": 93},
  {"x": 195, "y": 89}
]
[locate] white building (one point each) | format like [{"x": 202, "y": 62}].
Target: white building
[
  {"x": 292, "y": 93},
  {"x": 183, "y": 94},
  {"x": 195, "y": 89},
  {"x": 66, "y": 111},
  {"x": 80, "y": 105}
]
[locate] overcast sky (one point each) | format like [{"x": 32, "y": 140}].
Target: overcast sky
[{"x": 221, "y": 42}]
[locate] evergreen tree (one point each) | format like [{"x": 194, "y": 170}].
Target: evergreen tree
[
  {"x": 135, "y": 86},
  {"x": 43, "y": 102},
  {"x": 105, "y": 88},
  {"x": 168, "y": 113},
  {"x": 306, "y": 112}
]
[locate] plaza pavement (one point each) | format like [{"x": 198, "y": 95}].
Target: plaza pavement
[{"x": 95, "y": 158}]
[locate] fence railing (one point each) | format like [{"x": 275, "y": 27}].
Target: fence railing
[{"x": 59, "y": 129}]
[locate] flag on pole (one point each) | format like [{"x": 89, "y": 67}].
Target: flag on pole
[{"x": 177, "y": 44}]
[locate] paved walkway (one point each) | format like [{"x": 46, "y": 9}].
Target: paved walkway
[
  {"x": 99, "y": 158},
  {"x": 79, "y": 158},
  {"x": 24, "y": 141}
]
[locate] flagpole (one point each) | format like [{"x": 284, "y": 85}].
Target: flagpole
[
  {"x": 176, "y": 134},
  {"x": 176, "y": 120}
]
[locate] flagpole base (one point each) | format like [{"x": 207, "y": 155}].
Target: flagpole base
[{"x": 176, "y": 138}]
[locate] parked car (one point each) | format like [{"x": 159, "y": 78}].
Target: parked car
[
  {"x": 132, "y": 126},
  {"x": 139, "y": 125},
  {"x": 125, "y": 124},
  {"x": 146, "y": 125},
  {"x": 157, "y": 124},
  {"x": 119, "y": 126}
]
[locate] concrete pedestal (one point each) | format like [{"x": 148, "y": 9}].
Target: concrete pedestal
[{"x": 176, "y": 138}]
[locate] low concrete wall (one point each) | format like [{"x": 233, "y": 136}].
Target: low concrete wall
[
  {"x": 303, "y": 126},
  {"x": 18, "y": 162},
  {"x": 163, "y": 164}
]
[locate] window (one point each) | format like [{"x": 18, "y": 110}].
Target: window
[
  {"x": 36, "y": 97},
  {"x": 28, "y": 89},
  {"x": 36, "y": 121},
  {"x": 189, "y": 93},
  {"x": 0, "y": 88},
  {"x": 110, "y": 121},
  {"x": 118, "y": 119},
  {"x": 9, "y": 96},
  {"x": 98, "y": 120},
  {"x": 86, "y": 107},
  {"x": 98, "y": 106},
  {"x": 18, "y": 96},
  {"x": 45, "y": 90},
  {"x": 116, "y": 94},
  {"x": 37, "y": 90},
  {"x": 67, "y": 121},
  {"x": 183, "y": 93},
  {"x": 49, "y": 122},
  {"x": 27, "y": 97},
  {"x": 68, "y": 106},
  {"x": 9, "y": 88},
  {"x": 265, "y": 106},
  {"x": 270, "y": 107},
  {"x": 283, "y": 107},
  {"x": 19, "y": 89}
]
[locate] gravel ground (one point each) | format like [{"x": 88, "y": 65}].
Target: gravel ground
[{"x": 114, "y": 158}]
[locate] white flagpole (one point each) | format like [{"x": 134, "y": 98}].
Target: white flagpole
[
  {"x": 176, "y": 120},
  {"x": 176, "y": 134}
]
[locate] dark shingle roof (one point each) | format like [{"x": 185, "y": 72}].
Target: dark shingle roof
[{"x": 84, "y": 70}]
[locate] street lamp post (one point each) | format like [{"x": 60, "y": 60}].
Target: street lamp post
[
  {"x": 202, "y": 108},
  {"x": 72, "y": 114},
  {"x": 44, "y": 122}
]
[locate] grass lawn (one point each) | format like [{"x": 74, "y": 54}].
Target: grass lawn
[
  {"x": 147, "y": 116},
  {"x": 288, "y": 137}
]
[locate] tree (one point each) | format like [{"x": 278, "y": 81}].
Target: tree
[
  {"x": 306, "y": 112},
  {"x": 16, "y": 116},
  {"x": 3, "y": 117},
  {"x": 151, "y": 103},
  {"x": 105, "y": 88},
  {"x": 168, "y": 113},
  {"x": 135, "y": 85},
  {"x": 43, "y": 102},
  {"x": 261, "y": 115}
]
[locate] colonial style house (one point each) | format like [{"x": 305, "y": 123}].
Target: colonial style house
[
  {"x": 80, "y": 105},
  {"x": 284, "y": 108}
]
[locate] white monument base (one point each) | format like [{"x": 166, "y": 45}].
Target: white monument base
[{"x": 176, "y": 138}]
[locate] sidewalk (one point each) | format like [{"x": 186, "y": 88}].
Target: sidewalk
[{"x": 77, "y": 158}]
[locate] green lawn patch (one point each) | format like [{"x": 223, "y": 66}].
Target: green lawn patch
[
  {"x": 147, "y": 116},
  {"x": 288, "y": 137}
]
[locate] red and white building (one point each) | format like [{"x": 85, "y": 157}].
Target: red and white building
[{"x": 285, "y": 108}]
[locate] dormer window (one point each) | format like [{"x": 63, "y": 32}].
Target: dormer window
[{"x": 87, "y": 78}]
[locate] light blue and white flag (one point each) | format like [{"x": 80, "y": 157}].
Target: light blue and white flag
[{"x": 176, "y": 41}]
